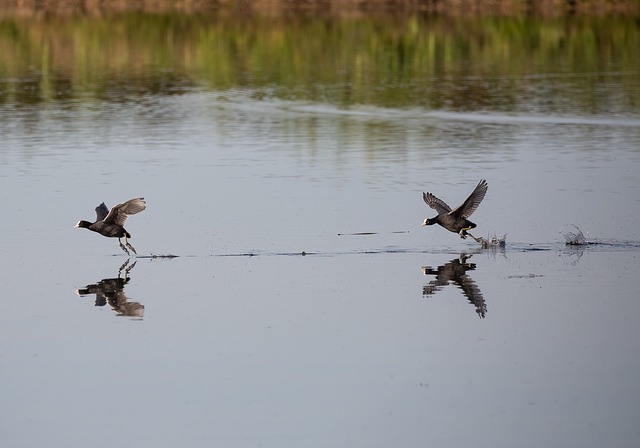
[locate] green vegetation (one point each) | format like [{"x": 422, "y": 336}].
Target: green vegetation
[{"x": 408, "y": 61}]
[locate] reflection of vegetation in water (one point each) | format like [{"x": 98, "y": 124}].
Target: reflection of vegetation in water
[
  {"x": 333, "y": 8},
  {"x": 437, "y": 62}
]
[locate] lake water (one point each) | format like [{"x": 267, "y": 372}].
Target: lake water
[{"x": 283, "y": 164}]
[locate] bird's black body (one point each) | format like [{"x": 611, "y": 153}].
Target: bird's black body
[
  {"x": 456, "y": 220},
  {"x": 108, "y": 230},
  {"x": 110, "y": 223}
]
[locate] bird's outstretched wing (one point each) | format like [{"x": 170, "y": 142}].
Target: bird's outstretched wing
[
  {"x": 473, "y": 201},
  {"x": 101, "y": 212},
  {"x": 119, "y": 213},
  {"x": 437, "y": 204},
  {"x": 472, "y": 292}
]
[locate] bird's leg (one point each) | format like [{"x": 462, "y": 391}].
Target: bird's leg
[
  {"x": 122, "y": 246},
  {"x": 126, "y": 269},
  {"x": 123, "y": 266},
  {"x": 126, "y": 273},
  {"x": 129, "y": 245},
  {"x": 478, "y": 240},
  {"x": 463, "y": 233}
]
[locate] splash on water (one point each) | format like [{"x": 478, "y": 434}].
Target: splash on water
[
  {"x": 575, "y": 237},
  {"x": 494, "y": 241}
]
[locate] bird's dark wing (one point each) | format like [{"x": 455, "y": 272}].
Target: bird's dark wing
[
  {"x": 119, "y": 213},
  {"x": 473, "y": 201},
  {"x": 437, "y": 204},
  {"x": 101, "y": 212},
  {"x": 472, "y": 292}
]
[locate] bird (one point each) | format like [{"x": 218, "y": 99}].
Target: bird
[
  {"x": 111, "y": 291},
  {"x": 110, "y": 223},
  {"x": 456, "y": 220},
  {"x": 455, "y": 272}
]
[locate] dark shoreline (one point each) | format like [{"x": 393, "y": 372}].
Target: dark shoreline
[{"x": 334, "y": 8}]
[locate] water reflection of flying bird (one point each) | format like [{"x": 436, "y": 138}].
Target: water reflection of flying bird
[
  {"x": 110, "y": 223},
  {"x": 111, "y": 290},
  {"x": 456, "y": 272},
  {"x": 456, "y": 220}
]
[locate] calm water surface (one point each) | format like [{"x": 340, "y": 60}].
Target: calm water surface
[{"x": 386, "y": 333}]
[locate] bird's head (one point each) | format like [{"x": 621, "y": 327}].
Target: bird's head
[
  {"x": 429, "y": 222},
  {"x": 82, "y": 224}
]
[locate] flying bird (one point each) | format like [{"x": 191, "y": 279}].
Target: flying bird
[
  {"x": 456, "y": 220},
  {"x": 110, "y": 223}
]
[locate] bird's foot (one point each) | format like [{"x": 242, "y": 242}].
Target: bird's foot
[
  {"x": 124, "y": 266},
  {"x": 478, "y": 240},
  {"x": 124, "y": 248},
  {"x": 132, "y": 249}
]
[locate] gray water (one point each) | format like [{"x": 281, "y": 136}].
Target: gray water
[{"x": 303, "y": 307}]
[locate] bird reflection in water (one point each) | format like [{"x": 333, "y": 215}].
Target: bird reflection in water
[
  {"x": 111, "y": 290},
  {"x": 456, "y": 272}
]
